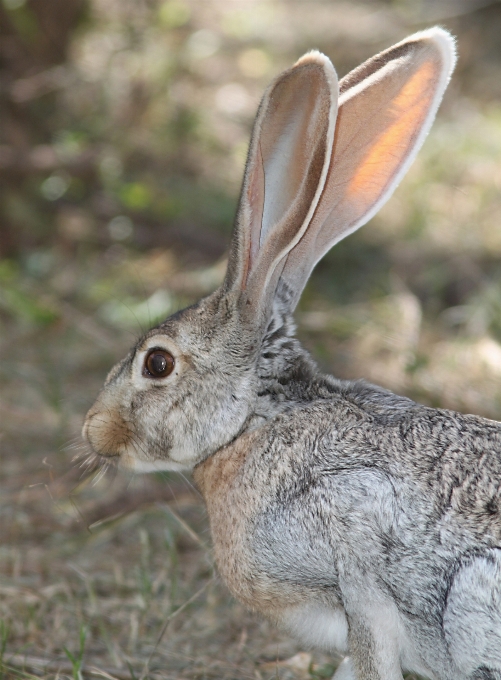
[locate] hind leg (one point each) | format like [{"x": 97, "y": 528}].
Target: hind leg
[{"x": 472, "y": 618}]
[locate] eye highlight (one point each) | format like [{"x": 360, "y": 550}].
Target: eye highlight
[{"x": 158, "y": 364}]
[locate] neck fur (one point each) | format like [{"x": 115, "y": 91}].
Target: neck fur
[{"x": 285, "y": 369}]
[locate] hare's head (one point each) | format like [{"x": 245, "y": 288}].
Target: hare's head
[{"x": 322, "y": 160}]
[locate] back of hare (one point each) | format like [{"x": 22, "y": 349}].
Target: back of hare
[{"x": 358, "y": 520}]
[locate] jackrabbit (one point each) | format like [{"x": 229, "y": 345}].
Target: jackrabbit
[{"x": 358, "y": 520}]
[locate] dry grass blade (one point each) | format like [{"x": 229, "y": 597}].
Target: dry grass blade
[
  {"x": 19, "y": 661},
  {"x": 185, "y": 526},
  {"x": 169, "y": 619}
]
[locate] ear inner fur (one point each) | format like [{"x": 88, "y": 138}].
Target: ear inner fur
[
  {"x": 385, "y": 112},
  {"x": 286, "y": 168}
]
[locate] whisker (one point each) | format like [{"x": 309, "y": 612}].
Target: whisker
[
  {"x": 145, "y": 293},
  {"x": 190, "y": 484},
  {"x": 115, "y": 297},
  {"x": 101, "y": 473},
  {"x": 138, "y": 443},
  {"x": 72, "y": 443}
]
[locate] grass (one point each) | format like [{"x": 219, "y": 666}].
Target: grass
[
  {"x": 132, "y": 597},
  {"x": 76, "y": 659}
]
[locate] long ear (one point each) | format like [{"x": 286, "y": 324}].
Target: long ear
[
  {"x": 285, "y": 173},
  {"x": 386, "y": 108}
]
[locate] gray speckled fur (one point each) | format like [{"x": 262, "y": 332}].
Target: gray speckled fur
[{"x": 372, "y": 487}]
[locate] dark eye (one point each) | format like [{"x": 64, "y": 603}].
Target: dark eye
[{"x": 158, "y": 364}]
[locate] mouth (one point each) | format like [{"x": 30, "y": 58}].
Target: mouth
[{"x": 113, "y": 442}]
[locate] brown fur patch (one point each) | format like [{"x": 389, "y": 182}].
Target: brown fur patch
[
  {"x": 107, "y": 432},
  {"x": 233, "y": 502}
]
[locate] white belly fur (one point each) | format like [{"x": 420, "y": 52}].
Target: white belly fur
[{"x": 320, "y": 626}]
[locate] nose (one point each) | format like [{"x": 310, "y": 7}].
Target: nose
[{"x": 107, "y": 432}]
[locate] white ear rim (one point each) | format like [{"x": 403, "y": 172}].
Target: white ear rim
[
  {"x": 332, "y": 80},
  {"x": 446, "y": 43}
]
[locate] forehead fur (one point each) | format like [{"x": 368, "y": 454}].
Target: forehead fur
[{"x": 213, "y": 322}]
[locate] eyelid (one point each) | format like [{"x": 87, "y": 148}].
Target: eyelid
[{"x": 158, "y": 341}]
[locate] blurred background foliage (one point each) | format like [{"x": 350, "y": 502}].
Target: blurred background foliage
[
  {"x": 123, "y": 137},
  {"x": 124, "y": 127}
]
